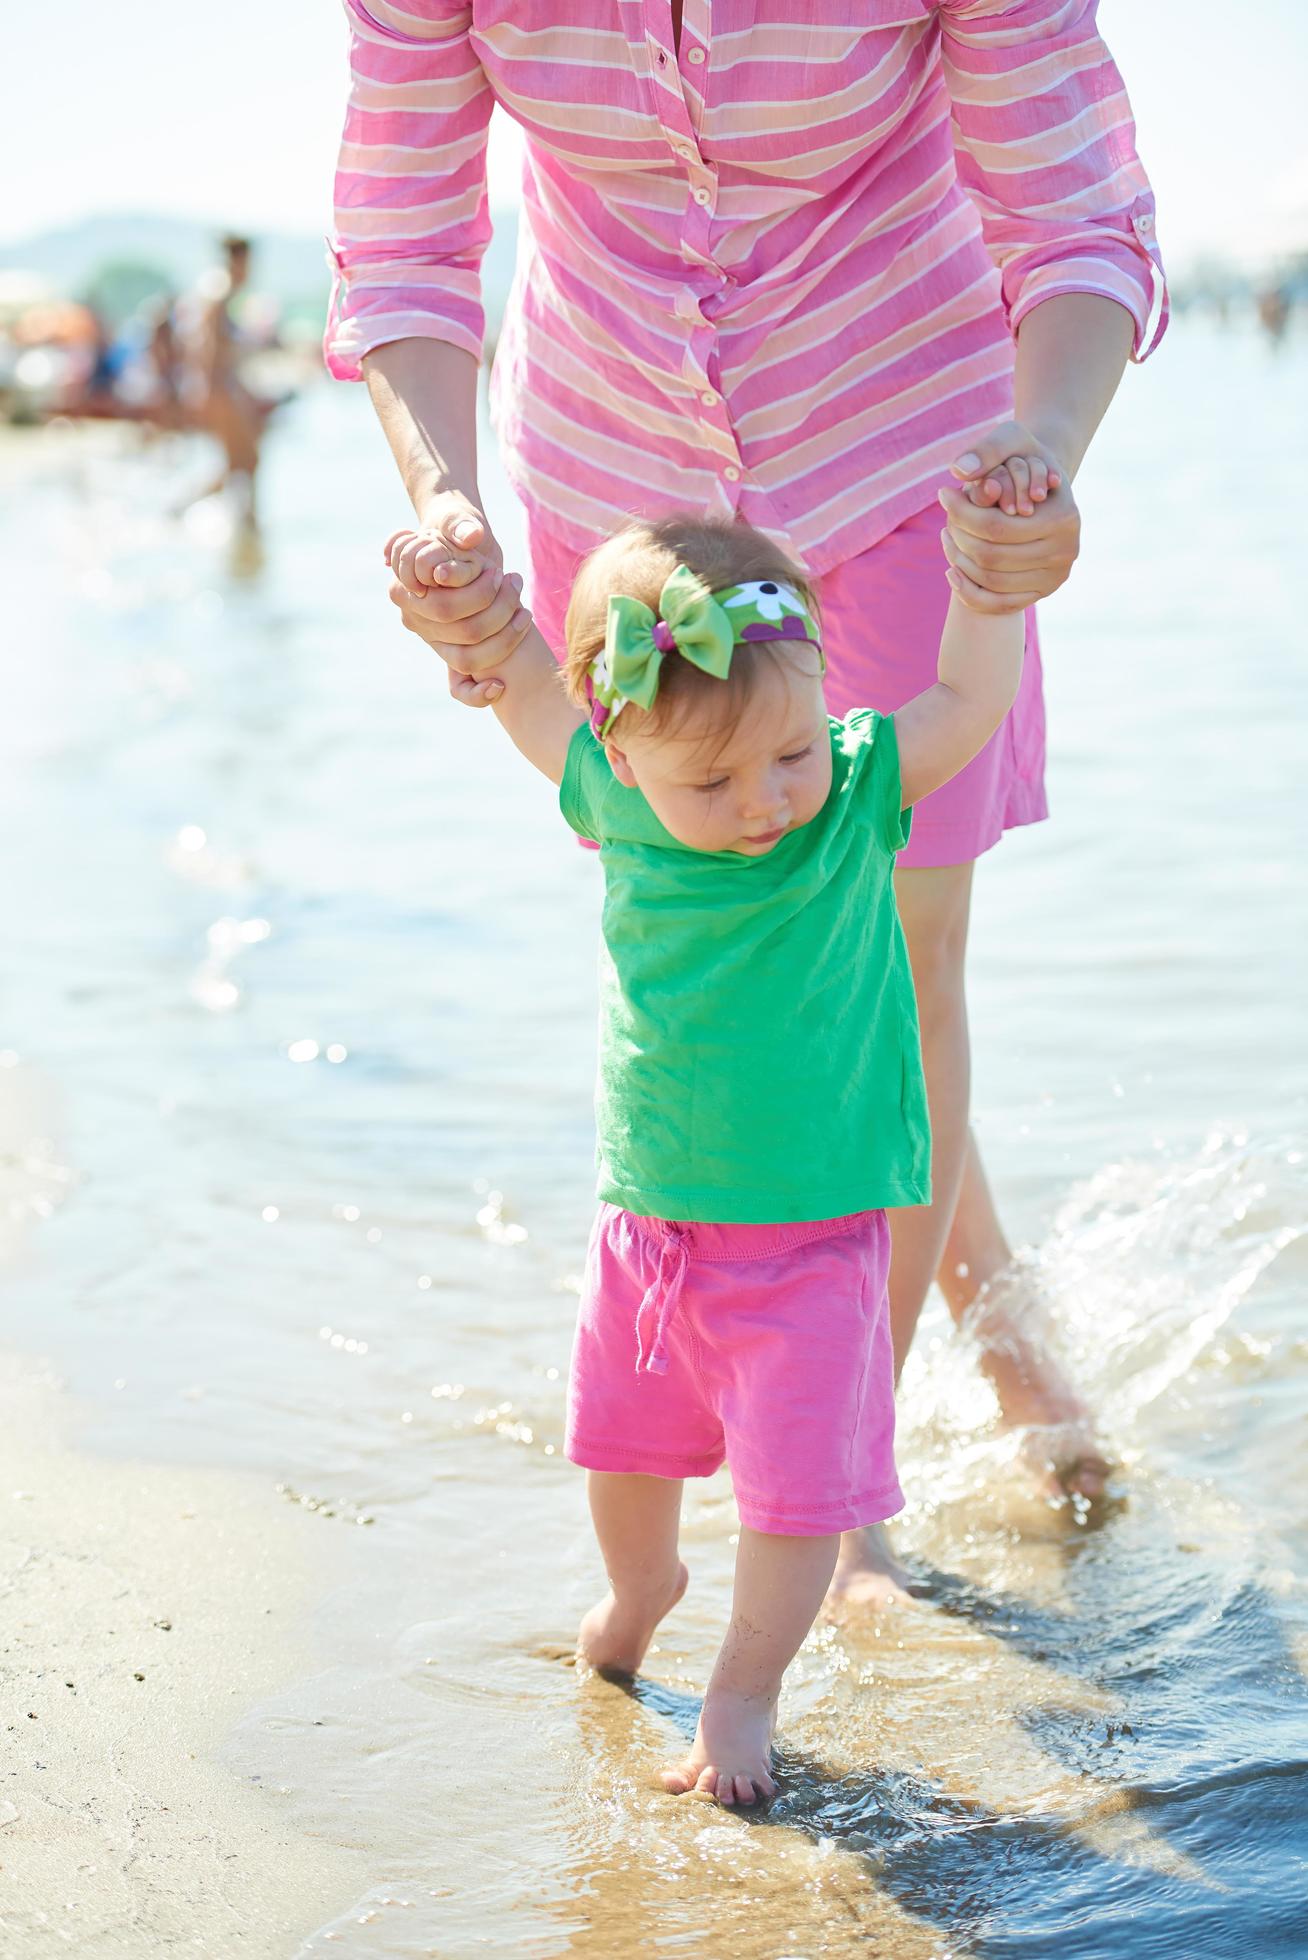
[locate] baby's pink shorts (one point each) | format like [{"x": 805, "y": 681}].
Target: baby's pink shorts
[{"x": 764, "y": 1345}]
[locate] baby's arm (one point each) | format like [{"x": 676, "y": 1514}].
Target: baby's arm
[
  {"x": 532, "y": 706},
  {"x": 941, "y": 729}
]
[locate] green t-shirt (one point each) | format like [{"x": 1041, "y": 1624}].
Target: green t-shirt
[{"x": 759, "y": 1058}]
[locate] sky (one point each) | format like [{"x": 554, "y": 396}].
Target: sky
[{"x": 230, "y": 113}]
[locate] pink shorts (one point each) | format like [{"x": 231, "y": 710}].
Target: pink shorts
[
  {"x": 882, "y": 613},
  {"x": 767, "y": 1346}
]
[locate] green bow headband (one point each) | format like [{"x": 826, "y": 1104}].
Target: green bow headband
[{"x": 703, "y": 627}]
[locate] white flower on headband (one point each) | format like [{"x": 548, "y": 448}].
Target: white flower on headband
[{"x": 770, "y": 600}]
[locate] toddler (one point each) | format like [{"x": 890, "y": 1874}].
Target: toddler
[{"x": 760, "y": 1098}]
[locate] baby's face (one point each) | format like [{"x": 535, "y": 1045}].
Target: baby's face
[{"x": 742, "y": 789}]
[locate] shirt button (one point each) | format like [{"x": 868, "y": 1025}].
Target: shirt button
[
  {"x": 696, "y": 55},
  {"x": 701, "y": 196},
  {"x": 731, "y": 473},
  {"x": 709, "y": 399},
  {"x": 683, "y": 149},
  {"x": 1144, "y": 223}
]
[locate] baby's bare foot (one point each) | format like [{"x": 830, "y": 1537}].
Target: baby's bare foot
[
  {"x": 867, "y": 1572},
  {"x": 731, "y": 1757},
  {"x": 615, "y": 1634}
]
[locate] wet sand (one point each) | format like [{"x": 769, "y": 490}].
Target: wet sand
[{"x": 145, "y": 1609}]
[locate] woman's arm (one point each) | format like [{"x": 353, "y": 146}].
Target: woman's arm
[
  {"x": 412, "y": 223},
  {"x": 425, "y": 395},
  {"x": 1045, "y": 145},
  {"x": 412, "y": 219},
  {"x": 941, "y": 729},
  {"x": 1071, "y": 351}
]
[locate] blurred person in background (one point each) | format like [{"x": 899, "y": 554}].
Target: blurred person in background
[
  {"x": 164, "y": 353},
  {"x": 218, "y": 399},
  {"x": 800, "y": 269}
]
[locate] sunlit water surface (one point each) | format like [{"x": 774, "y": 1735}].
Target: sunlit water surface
[{"x": 297, "y": 1018}]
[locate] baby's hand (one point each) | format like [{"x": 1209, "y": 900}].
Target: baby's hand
[
  {"x": 420, "y": 561},
  {"x": 1014, "y": 471}
]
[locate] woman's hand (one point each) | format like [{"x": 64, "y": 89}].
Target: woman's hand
[
  {"x": 1012, "y": 533},
  {"x": 449, "y": 582}
]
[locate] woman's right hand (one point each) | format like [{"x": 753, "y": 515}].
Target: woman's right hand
[{"x": 449, "y": 582}]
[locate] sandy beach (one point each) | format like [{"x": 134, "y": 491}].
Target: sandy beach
[{"x": 145, "y": 1609}]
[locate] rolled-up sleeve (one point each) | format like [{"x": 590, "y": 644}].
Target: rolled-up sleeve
[
  {"x": 1045, "y": 142},
  {"x": 411, "y": 214}
]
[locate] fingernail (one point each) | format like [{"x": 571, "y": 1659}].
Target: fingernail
[
  {"x": 464, "y": 531},
  {"x": 968, "y": 463},
  {"x": 495, "y": 689}
]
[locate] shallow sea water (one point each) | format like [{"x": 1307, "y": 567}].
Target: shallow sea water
[{"x": 297, "y": 1020}]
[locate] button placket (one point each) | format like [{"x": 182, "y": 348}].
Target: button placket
[
  {"x": 696, "y": 36},
  {"x": 674, "y": 115},
  {"x": 721, "y": 451},
  {"x": 696, "y": 32},
  {"x": 701, "y": 374}
]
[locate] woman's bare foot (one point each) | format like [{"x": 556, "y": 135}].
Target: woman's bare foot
[
  {"x": 867, "y": 1572},
  {"x": 731, "y": 1757},
  {"x": 1034, "y": 1394},
  {"x": 615, "y": 1634}
]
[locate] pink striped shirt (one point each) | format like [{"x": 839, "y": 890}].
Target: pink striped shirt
[{"x": 774, "y": 271}]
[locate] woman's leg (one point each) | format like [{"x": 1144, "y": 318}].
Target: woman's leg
[
  {"x": 636, "y": 1521},
  {"x": 780, "y": 1583},
  {"x": 933, "y": 907},
  {"x": 1027, "y": 1379},
  {"x": 882, "y": 614},
  {"x": 958, "y": 1237}
]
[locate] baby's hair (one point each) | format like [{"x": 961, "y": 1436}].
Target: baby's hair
[{"x": 637, "y": 563}]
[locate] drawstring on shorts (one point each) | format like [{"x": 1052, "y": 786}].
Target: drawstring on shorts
[{"x": 661, "y": 1298}]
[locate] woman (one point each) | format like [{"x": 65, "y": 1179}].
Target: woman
[{"x": 758, "y": 275}]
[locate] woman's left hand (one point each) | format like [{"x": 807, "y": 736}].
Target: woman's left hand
[{"x": 1014, "y": 560}]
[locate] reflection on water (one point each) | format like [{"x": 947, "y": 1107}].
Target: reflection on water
[{"x": 295, "y": 1058}]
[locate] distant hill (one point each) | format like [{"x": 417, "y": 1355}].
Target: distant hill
[{"x": 293, "y": 269}]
